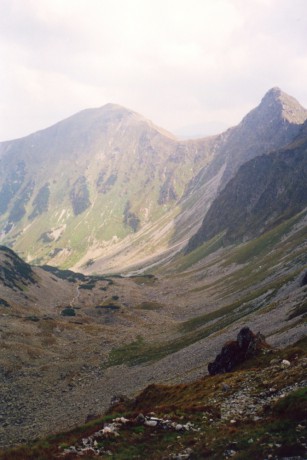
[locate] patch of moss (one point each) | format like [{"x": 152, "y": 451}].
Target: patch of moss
[
  {"x": 154, "y": 306},
  {"x": 33, "y": 318},
  {"x": 293, "y": 406},
  {"x": 68, "y": 311}
]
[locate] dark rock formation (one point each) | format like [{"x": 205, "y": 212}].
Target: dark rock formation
[
  {"x": 14, "y": 272},
  {"x": 40, "y": 202},
  {"x": 304, "y": 280},
  {"x": 79, "y": 196},
  {"x": 130, "y": 218},
  {"x": 236, "y": 352},
  {"x": 11, "y": 185},
  {"x": 167, "y": 192}
]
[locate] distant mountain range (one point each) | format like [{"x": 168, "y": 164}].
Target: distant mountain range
[{"x": 107, "y": 190}]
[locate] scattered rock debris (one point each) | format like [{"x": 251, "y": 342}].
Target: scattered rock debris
[{"x": 93, "y": 445}]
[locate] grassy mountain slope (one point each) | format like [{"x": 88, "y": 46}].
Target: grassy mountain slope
[
  {"x": 108, "y": 186},
  {"x": 71, "y": 341},
  {"x": 87, "y": 181}
]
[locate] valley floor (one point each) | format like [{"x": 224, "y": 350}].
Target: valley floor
[{"x": 69, "y": 344}]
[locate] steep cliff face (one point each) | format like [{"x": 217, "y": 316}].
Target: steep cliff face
[{"x": 266, "y": 191}]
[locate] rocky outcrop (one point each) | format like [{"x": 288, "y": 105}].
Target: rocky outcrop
[
  {"x": 79, "y": 196},
  {"x": 304, "y": 280},
  {"x": 236, "y": 352}
]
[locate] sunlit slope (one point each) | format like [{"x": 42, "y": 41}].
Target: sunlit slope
[
  {"x": 108, "y": 186},
  {"x": 89, "y": 181}
]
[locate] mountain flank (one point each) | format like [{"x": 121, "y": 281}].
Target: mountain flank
[
  {"x": 266, "y": 191},
  {"x": 106, "y": 190},
  {"x": 14, "y": 272},
  {"x": 140, "y": 320}
]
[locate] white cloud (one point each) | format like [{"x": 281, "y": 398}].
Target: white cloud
[{"x": 177, "y": 62}]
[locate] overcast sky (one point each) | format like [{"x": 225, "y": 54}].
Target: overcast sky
[{"x": 188, "y": 65}]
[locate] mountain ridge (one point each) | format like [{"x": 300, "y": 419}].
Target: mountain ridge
[
  {"x": 107, "y": 185},
  {"x": 71, "y": 342}
]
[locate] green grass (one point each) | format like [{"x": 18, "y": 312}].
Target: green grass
[
  {"x": 198, "y": 328},
  {"x": 299, "y": 310},
  {"x": 294, "y": 406},
  {"x": 244, "y": 304},
  {"x": 139, "y": 351},
  {"x": 188, "y": 260},
  {"x": 263, "y": 244}
]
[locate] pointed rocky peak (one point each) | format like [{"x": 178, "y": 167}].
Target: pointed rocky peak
[
  {"x": 291, "y": 109},
  {"x": 274, "y": 94},
  {"x": 277, "y": 104}
]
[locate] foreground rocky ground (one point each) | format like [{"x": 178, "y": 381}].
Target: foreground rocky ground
[
  {"x": 257, "y": 411},
  {"x": 69, "y": 343}
]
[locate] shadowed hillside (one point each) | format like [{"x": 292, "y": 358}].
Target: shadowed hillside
[{"x": 265, "y": 192}]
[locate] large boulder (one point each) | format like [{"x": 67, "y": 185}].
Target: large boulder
[{"x": 236, "y": 352}]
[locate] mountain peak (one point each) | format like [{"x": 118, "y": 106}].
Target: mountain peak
[
  {"x": 115, "y": 113},
  {"x": 111, "y": 107},
  {"x": 274, "y": 92},
  {"x": 285, "y": 106}
]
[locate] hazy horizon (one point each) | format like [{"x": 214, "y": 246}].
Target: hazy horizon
[{"x": 194, "y": 68}]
